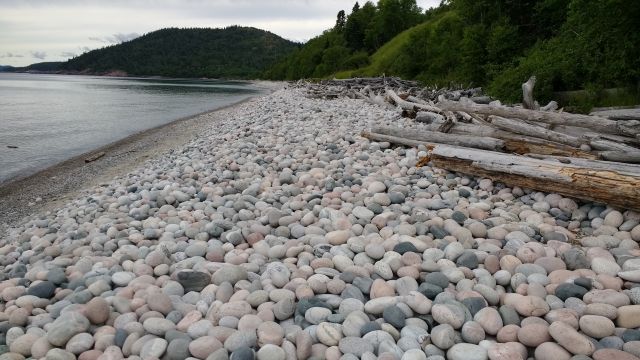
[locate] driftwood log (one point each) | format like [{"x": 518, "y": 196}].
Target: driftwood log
[
  {"x": 94, "y": 157},
  {"x": 514, "y": 144},
  {"x": 554, "y": 118},
  {"x": 477, "y": 142},
  {"x": 527, "y": 94},
  {"x": 612, "y": 183},
  {"x": 523, "y": 128}
]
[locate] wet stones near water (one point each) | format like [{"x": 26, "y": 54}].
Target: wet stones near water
[{"x": 281, "y": 234}]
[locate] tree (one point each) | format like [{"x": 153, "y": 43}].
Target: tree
[{"x": 340, "y": 21}]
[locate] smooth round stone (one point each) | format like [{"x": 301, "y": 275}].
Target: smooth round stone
[
  {"x": 430, "y": 290},
  {"x": 80, "y": 343},
  {"x": 468, "y": 260},
  {"x": 160, "y": 302},
  {"x": 153, "y": 348},
  {"x": 437, "y": 278},
  {"x": 22, "y": 345},
  {"x": 394, "y": 316},
  {"x": 628, "y": 316},
  {"x": 369, "y": 327},
  {"x": 158, "y": 326},
  {"x": 533, "y": 335},
  {"x": 374, "y": 251},
  {"x": 271, "y": 352},
  {"x": 43, "y": 289},
  {"x": 355, "y": 345},
  {"x": 193, "y": 280},
  {"x": 463, "y": 351},
  {"x": 489, "y": 319},
  {"x": 596, "y": 326},
  {"x": 329, "y": 334},
  {"x": 443, "y": 336},
  {"x": 178, "y": 349},
  {"x": 631, "y": 335},
  {"x": 243, "y": 353},
  {"x": 229, "y": 273},
  {"x": 570, "y": 339},
  {"x": 472, "y": 332},
  {"x": 316, "y": 315},
  {"x": 405, "y": 247},
  {"x": 474, "y": 304},
  {"x": 605, "y": 266},
  {"x": 270, "y": 332},
  {"x": 122, "y": 278},
  {"x": 448, "y": 314},
  {"x": 611, "y": 342},
  {"x": 241, "y": 339},
  {"x": 97, "y": 310},
  {"x": 202, "y": 347},
  {"x": 567, "y": 290},
  {"x": 551, "y": 351},
  {"x": 507, "y": 351},
  {"x": 59, "y": 354},
  {"x": 414, "y": 354},
  {"x": 65, "y": 327},
  {"x": 611, "y": 354}
]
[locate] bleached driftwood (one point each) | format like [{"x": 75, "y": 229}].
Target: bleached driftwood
[
  {"x": 548, "y": 117},
  {"x": 478, "y": 142},
  {"x": 522, "y": 128},
  {"x": 527, "y": 94},
  {"x": 410, "y": 105},
  {"x": 613, "y": 183}
]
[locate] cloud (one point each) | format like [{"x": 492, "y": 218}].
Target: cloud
[
  {"x": 84, "y": 49},
  {"x": 117, "y": 38},
  {"x": 39, "y": 54},
  {"x": 11, "y": 55}
]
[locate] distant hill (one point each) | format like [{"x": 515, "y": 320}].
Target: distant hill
[
  {"x": 232, "y": 52},
  {"x": 5, "y": 68}
]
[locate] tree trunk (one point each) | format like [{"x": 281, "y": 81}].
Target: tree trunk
[
  {"x": 612, "y": 183},
  {"x": 522, "y": 144},
  {"x": 410, "y": 105},
  {"x": 477, "y": 142},
  {"x": 592, "y": 122},
  {"x": 522, "y": 128},
  {"x": 527, "y": 94}
]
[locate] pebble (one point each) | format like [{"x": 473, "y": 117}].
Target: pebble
[{"x": 278, "y": 234}]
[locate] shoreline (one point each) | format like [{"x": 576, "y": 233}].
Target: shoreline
[{"x": 65, "y": 180}]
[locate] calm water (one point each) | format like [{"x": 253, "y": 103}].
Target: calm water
[{"x": 51, "y": 118}]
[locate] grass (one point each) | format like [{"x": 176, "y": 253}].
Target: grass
[{"x": 384, "y": 57}]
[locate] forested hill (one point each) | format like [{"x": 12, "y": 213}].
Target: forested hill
[
  {"x": 497, "y": 44},
  {"x": 232, "y": 52}
]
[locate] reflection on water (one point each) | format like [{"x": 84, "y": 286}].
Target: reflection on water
[{"x": 51, "y": 118}]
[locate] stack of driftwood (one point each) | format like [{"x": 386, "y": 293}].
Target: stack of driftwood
[{"x": 584, "y": 156}]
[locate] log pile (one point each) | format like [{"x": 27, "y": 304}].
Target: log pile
[{"x": 584, "y": 156}]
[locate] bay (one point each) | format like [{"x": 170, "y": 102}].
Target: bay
[{"x": 46, "y": 119}]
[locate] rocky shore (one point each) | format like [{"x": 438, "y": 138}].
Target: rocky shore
[{"x": 280, "y": 233}]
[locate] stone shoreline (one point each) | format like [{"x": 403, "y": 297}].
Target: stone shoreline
[
  {"x": 279, "y": 233},
  {"x": 52, "y": 187}
]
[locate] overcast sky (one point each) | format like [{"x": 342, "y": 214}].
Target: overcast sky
[{"x": 53, "y": 30}]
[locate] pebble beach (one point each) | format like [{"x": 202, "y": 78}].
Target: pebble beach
[{"x": 278, "y": 233}]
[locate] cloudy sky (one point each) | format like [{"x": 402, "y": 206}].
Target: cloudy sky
[{"x": 52, "y": 30}]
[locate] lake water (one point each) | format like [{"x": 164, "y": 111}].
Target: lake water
[{"x": 51, "y": 118}]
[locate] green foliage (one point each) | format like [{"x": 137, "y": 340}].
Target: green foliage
[
  {"x": 233, "y": 52},
  {"x": 593, "y": 49},
  {"x": 347, "y": 44},
  {"x": 47, "y": 66},
  {"x": 499, "y": 44}
]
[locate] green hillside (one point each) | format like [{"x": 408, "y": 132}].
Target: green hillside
[
  {"x": 232, "y": 52},
  {"x": 497, "y": 44}
]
